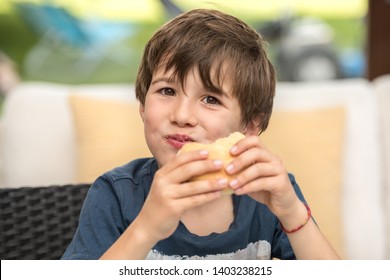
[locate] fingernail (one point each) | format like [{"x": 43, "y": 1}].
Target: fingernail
[
  {"x": 204, "y": 152},
  {"x": 233, "y": 183},
  {"x": 222, "y": 182},
  {"x": 233, "y": 149},
  {"x": 218, "y": 163},
  {"x": 229, "y": 168}
]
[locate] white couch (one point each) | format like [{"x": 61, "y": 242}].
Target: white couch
[{"x": 341, "y": 161}]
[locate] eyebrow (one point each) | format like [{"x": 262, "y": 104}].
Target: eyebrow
[{"x": 163, "y": 79}]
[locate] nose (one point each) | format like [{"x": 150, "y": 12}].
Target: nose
[{"x": 183, "y": 113}]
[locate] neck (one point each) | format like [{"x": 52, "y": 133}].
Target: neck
[{"x": 215, "y": 216}]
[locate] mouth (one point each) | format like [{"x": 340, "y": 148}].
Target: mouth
[{"x": 178, "y": 140}]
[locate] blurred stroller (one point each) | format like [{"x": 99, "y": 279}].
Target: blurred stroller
[{"x": 68, "y": 48}]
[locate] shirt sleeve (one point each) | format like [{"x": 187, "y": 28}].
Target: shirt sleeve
[{"x": 100, "y": 223}]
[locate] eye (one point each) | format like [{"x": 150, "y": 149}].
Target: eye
[
  {"x": 167, "y": 91},
  {"x": 211, "y": 100}
]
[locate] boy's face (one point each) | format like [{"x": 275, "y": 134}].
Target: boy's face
[{"x": 174, "y": 114}]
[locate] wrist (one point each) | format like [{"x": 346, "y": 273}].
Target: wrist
[
  {"x": 296, "y": 219},
  {"x": 133, "y": 244},
  {"x": 143, "y": 233}
]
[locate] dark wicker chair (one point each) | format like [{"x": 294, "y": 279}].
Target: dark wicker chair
[{"x": 38, "y": 223}]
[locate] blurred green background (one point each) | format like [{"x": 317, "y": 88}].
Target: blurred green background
[{"x": 127, "y": 25}]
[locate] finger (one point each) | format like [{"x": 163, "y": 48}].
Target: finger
[
  {"x": 246, "y": 143},
  {"x": 197, "y": 200},
  {"x": 256, "y": 171},
  {"x": 272, "y": 185},
  {"x": 182, "y": 159},
  {"x": 262, "y": 184},
  {"x": 247, "y": 159},
  {"x": 191, "y": 169},
  {"x": 200, "y": 187}
]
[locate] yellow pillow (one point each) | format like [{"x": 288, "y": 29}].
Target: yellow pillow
[
  {"x": 310, "y": 144},
  {"x": 108, "y": 133}
]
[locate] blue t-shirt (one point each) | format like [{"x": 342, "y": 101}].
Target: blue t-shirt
[{"x": 115, "y": 199}]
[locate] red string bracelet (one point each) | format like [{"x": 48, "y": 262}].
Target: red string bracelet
[{"x": 302, "y": 225}]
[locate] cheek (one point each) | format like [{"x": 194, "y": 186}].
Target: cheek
[
  {"x": 223, "y": 125},
  {"x": 151, "y": 121},
  {"x": 233, "y": 119},
  {"x": 151, "y": 112}
]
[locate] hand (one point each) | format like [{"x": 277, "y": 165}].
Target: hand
[
  {"x": 171, "y": 193},
  {"x": 262, "y": 176}
]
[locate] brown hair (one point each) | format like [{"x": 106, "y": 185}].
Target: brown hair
[{"x": 207, "y": 39}]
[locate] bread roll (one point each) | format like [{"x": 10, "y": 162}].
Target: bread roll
[{"x": 220, "y": 150}]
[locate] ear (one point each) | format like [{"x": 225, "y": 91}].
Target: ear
[
  {"x": 253, "y": 127},
  {"x": 141, "y": 111}
]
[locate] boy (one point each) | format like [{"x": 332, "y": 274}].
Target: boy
[{"x": 203, "y": 75}]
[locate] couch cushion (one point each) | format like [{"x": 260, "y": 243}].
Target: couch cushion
[
  {"x": 108, "y": 134},
  {"x": 37, "y": 136},
  {"x": 382, "y": 90},
  {"x": 310, "y": 142}
]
